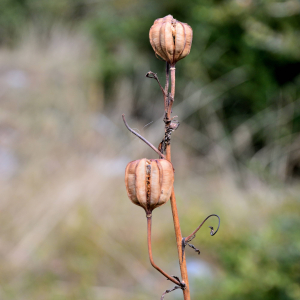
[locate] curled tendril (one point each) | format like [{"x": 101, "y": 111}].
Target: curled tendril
[{"x": 187, "y": 239}]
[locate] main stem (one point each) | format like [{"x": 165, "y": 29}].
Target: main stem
[{"x": 182, "y": 261}]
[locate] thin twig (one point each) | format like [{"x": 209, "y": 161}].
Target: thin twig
[
  {"x": 142, "y": 138},
  {"x": 196, "y": 249},
  {"x": 169, "y": 291}
]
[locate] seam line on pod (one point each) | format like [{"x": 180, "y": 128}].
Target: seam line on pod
[
  {"x": 161, "y": 175},
  {"x": 157, "y": 56},
  {"x": 126, "y": 179},
  {"x": 151, "y": 39},
  {"x": 188, "y": 26},
  {"x": 167, "y": 42},
  {"x": 153, "y": 44},
  {"x": 160, "y": 179},
  {"x": 184, "y": 40},
  {"x": 148, "y": 184},
  {"x": 136, "y": 182},
  {"x": 162, "y": 28}
]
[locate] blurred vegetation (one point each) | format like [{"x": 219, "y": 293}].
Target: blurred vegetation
[
  {"x": 68, "y": 69},
  {"x": 261, "y": 265},
  {"x": 259, "y": 38}
]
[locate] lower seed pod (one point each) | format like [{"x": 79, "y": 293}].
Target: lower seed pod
[{"x": 149, "y": 182}]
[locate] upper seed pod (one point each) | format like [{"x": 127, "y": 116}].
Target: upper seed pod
[
  {"x": 171, "y": 39},
  {"x": 149, "y": 182}
]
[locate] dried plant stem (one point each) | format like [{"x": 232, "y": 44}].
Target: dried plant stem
[
  {"x": 168, "y": 103},
  {"x": 172, "y": 69},
  {"x": 142, "y": 138},
  {"x": 149, "y": 221},
  {"x": 182, "y": 261},
  {"x": 166, "y": 89}
]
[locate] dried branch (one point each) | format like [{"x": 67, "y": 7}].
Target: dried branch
[
  {"x": 142, "y": 138},
  {"x": 169, "y": 291},
  {"x": 193, "y": 247}
]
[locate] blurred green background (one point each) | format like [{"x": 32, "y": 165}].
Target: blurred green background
[{"x": 69, "y": 69}]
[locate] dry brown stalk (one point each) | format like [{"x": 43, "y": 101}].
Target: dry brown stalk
[
  {"x": 171, "y": 40},
  {"x": 182, "y": 260}
]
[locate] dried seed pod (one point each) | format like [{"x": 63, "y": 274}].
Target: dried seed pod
[
  {"x": 171, "y": 39},
  {"x": 149, "y": 182}
]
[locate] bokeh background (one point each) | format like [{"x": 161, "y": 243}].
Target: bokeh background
[{"x": 69, "y": 69}]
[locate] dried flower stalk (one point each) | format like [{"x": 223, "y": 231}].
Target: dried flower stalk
[{"x": 149, "y": 182}]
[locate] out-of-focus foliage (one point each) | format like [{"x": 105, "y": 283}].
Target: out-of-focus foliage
[
  {"x": 260, "y": 39},
  {"x": 257, "y": 265}
]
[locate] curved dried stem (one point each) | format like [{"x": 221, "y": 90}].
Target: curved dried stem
[
  {"x": 149, "y": 221},
  {"x": 212, "y": 232},
  {"x": 142, "y": 138},
  {"x": 186, "y": 240}
]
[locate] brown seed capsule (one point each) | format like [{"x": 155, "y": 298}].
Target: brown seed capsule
[
  {"x": 149, "y": 182},
  {"x": 171, "y": 39}
]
